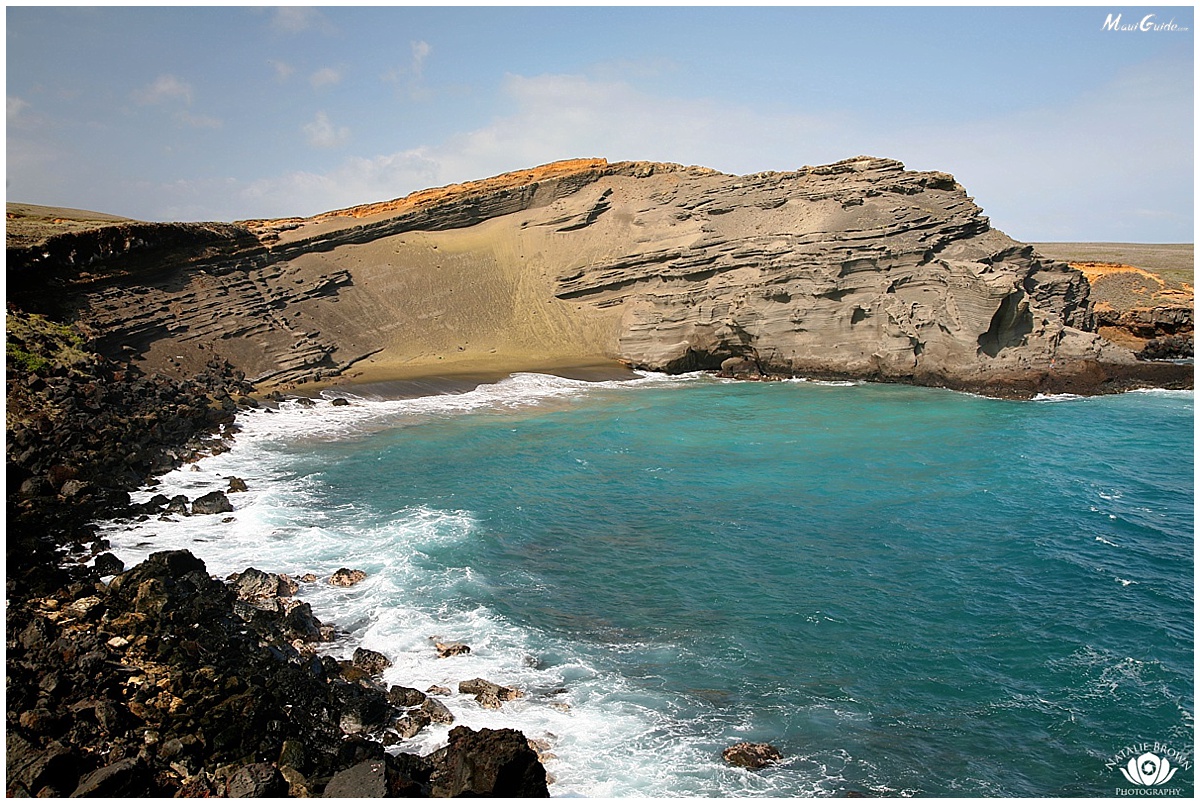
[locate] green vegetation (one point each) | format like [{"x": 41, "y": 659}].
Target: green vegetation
[{"x": 34, "y": 343}]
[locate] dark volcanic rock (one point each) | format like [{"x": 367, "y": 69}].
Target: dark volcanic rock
[
  {"x": 364, "y": 780},
  {"x": 447, "y": 649},
  {"x": 751, "y": 755},
  {"x": 489, "y": 762},
  {"x": 258, "y": 780},
  {"x": 166, "y": 681},
  {"x": 347, "y": 577},
  {"x": 215, "y": 502},
  {"x": 372, "y": 662},
  {"x": 488, "y": 694},
  {"x": 108, "y": 564},
  {"x": 126, "y": 778}
]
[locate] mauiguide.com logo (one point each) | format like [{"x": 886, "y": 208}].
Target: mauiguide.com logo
[
  {"x": 1150, "y": 22},
  {"x": 1148, "y": 767}
]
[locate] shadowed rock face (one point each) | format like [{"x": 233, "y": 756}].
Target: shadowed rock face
[{"x": 856, "y": 269}]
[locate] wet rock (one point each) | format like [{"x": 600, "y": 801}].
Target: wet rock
[
  {"x": 739, "y": 367},
  {"x": 405, "y": 696},
  {"x": 751, "y": 755},
  {"x": 362, "y": 709},
  {"x": 340, "y": 402},
  {"x": 178, "y": 505},
  {"x": 236, "y": 484},
  {"x": 370, "y": 661},
  {"x": 410, "y": 723},
  {"x": 435, "y": 689},
  {"x": 254, "y": 584},
  {"x": 447, "y": 649},
  {"x": 347, "y": 577},
  {"x": 489, "y": 762},
  {"x": 108, "y": 564},
  {"x": 215, "y": 502},
  {"x": 300, "y": 623},
  {"x": 488, "y": 694},
  {"x": 437, "y": 711}
]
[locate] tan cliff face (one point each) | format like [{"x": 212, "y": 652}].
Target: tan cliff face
[{"x": 859, "y": 268}]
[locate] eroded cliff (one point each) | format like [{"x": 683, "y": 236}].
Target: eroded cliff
[{"x": 856, "y": 269}]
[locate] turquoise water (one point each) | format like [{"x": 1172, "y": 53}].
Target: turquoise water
[{"x": 908, "y": 591}]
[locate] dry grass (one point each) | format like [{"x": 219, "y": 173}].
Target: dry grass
[
  {"x": 1173, "y": 262},
  {"x": 30, "y": 224}
]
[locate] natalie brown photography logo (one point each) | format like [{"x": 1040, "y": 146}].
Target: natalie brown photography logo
[
  {"x": 1149, "y": 767},
  {"x": 1145, "y": 23}
]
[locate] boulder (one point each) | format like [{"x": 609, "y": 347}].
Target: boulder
[
  {"x": 751, "y": 755},
  {"x": 437, "y": 711},
  {"x": 372, "y": 662},
  {"x": 236, "y": 484},
  {"x": 108, "y": 564},
  {"x": 406, "y": 696},
  {"x": 259, "y": 780},
  {"x": 364, "y": 780},
  {"x": 177, "y": 505},
  {"x": 410, "y": 723},
  {"x": 254, "y": 584},
  {"x": 126, "y": 778},
  {"x": 488, "y": 762},
  {"x": 346, "y": 577},
  {"x": 74, "y": 488},
  {"x": 29, "y": 768},
  {"x": 481, "y": 688},
  {"x": 739, "y": 367},
  {"x": 215, "y": 502},
  {"x": 447, "y": 649}
]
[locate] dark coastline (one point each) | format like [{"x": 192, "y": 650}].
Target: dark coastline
[{"x": 162, "y": 680}]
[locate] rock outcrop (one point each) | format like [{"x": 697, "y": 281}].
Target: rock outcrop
[
  {"x": 164, "y": 681},
  {"x": 855, "y": 269}
]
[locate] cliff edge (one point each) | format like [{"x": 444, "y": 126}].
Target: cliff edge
[{"x": 857, "y": 269}]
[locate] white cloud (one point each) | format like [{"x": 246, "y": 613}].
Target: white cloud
[
  {"x": 420, "y": 51},
  {"x": 198, "y": 120},
  {"x": 15, "y": 107},
  {"x": 322, "y": 133},
  {"x": 325, "y": 77},
  {"x": 283, "y": 70},
  {"x": 1115, "y": 164},
  {"x": 296, "y": 19},
  {"x": 411, "y": 78},
  {"x": 355, "y": 181},
  {"x": 164, "y": 89}
]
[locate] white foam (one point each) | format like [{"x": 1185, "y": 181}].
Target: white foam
[
  {"x": 1056, "y": 397},
  {"x": 612, "y": 738}
]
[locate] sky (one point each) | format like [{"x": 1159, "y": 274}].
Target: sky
[{"x": 1059, "y": 128}]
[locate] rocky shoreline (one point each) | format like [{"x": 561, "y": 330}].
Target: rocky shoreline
[{"x": 160, "y": 680}]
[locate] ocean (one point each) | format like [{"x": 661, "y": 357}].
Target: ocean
[{"x": 908, "y": 591}]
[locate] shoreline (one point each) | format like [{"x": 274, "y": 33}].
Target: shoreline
[
  {"x": 160, "y": 679},
  {"x": 406, "y": 380}
]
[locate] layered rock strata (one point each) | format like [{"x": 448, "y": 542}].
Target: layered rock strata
[{"x": 856, "y": 269}]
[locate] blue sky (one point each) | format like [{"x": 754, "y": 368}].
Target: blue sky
[{"x": 1060, "y": 129}]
